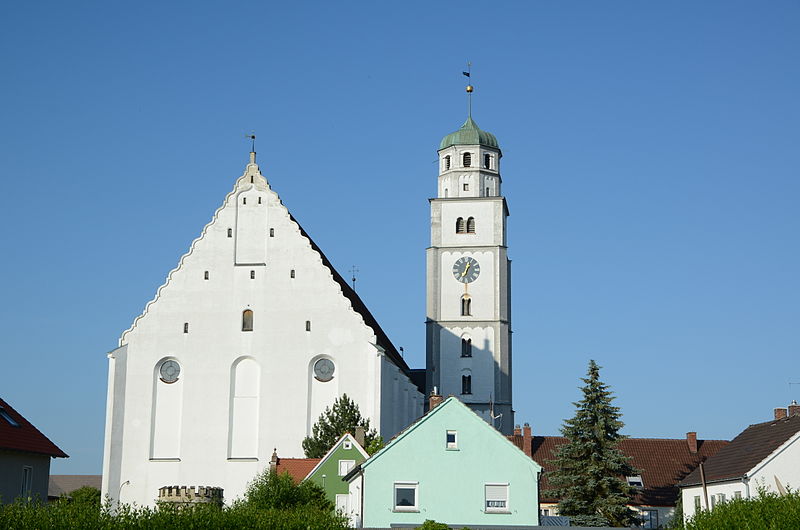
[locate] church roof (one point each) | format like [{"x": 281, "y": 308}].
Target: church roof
[
  {"x": 469, "y": 134},
  {"x": 18, "y": 434},
  {"x": 361, "y": 308}
]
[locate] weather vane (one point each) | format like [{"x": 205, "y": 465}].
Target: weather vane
[
  {"x": 470, "y": 88},
  {"x": 252, "y": 138},
  {"x": 353, "y": 272}
]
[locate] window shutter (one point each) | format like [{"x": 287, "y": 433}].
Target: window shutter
[{"x": 496, "y": 496}]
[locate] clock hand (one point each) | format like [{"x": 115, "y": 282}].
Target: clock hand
[{"x": 466, "y": 269}]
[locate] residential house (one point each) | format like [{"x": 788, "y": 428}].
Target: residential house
[
  {"x": 25, "y": 455},
  {"x": 329, "y": 472},
  {"x": 450, "y": 466},
  {"x": 662, "y": 462},
  {"x": 297, "y": 468},
  {"x": 764, "y": 455},
  {"x": 63, "y": 485}
]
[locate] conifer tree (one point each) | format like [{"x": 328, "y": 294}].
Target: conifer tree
[
  {"x": 343, "y": 417},
  {"x": 590, "y": 471}
]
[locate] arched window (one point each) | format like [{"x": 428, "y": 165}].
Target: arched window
[
  {"x": 461, "y": 226},
  {"x": 445, "y": 193},
  {"x": 466, "y": 306},
  {"x": 487, "y": 191},
  {"x": 471, "y": 225},
  {"x": 247, "y": 320},
  {"x": 230, "y": 232},
  {"x": 487, "y": 161},
  {"x": 186, "y": 327},
  {"x": 447, "y": 162},
  {"x": 466, "y": 347},
  {"x": 466, "y": 384},
  {"x": 467, "y": 159}
]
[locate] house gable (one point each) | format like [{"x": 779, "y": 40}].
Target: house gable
[{"x": 328, "y": 474}]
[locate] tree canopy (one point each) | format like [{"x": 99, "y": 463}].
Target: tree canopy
[
  {"x": 590, "y": 470},
  {"x": 343, "y": 417}
]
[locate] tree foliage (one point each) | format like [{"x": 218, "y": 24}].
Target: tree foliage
[
  {"x": 343, "y": 417},
  {"x": 270, "y": 490},
  {"x": 86, "y": 495},
  {"x": 768, "y": 510},
  {"x": 589, "y": 478}
]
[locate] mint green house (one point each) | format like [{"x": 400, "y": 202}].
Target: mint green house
[
  {"x": 450, "y": 466},
  {"x": 346, "y": 454}
]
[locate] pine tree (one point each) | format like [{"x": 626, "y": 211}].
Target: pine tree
[
  {"x": 343, "y": 417},
  {"x": 590, "y": 470}
]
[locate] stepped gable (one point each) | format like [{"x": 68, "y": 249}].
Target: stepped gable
[
  {"x": 24, "y": 436},
  {"x": 360, "y": 307},
  {"x": 663, "y": 463},
  {"x": 750, "y": 447}
]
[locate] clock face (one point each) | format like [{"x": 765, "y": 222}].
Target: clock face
[
  {"x": 466, "y": 269},
  {"x": 323, "y": 370},
  {"x": 170, "y": 370}
]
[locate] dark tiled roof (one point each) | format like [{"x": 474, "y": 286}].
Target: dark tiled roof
[
  {"x": 745, "y": 451},
  {"x": 65, "y": 484},
  {"x": 663, "y": 463},
  {"x": 360, "y": 307},
  {"x": 26, "y": 437},
  {"x": 297, "y": 468}
]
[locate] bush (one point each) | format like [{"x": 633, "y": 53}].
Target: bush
[
  {"x": 432, "y": 525},
  {"x": 270, "y": 490},
  {"x": 768, "y": 510},
  {"x": 86, "y": 495}
]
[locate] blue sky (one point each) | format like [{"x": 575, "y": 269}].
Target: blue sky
[{"x": 650, "y": 166}]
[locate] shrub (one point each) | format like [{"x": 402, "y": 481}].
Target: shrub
[
  {"x": 768, "y": 510},
  {"x": 271, "y": 490}
]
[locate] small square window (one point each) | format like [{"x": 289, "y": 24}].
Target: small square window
[
  {"x": 737, "y": 494},
  {"x": 452, "y": 440},
  {"x": 405, "y": 497},
  {"x": 345, "y": 466},
  {"x": 466, "y": 186},
  {"x": 347, "y": 444},
  {"x": 496, "y": 497}
]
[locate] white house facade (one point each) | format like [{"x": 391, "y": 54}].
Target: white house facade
[
  {"x": 251, "y": 336},
  {"x": 765, "y": 455}
]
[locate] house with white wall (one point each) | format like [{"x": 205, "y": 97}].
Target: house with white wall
[{"x": 763, "y": 456}]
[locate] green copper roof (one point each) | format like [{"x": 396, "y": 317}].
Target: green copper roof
[{"x": 469, "y": 134}]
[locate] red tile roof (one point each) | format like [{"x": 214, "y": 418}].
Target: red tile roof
[
  {"x": 24, "y": 437},
  {"x": 297, "y": 468},
  {"x": 750, "y": 447},
  {"x": 663, "y": 463}
]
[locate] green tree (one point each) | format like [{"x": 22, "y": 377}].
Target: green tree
[
  {"x": 269, "y": 490},
  {"x": 86, "y": 495},
  {"x": 590, "y": 470},
  {"x": 343, "y": 417}
]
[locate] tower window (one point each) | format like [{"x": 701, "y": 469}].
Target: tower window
[
  {"x": 487, "y": 161},
  {"x": 308, "y": 325},
  {"x": 466, "y": 186},
  {"x": 259, "y": 200},
  {"x": 461, "y": 226},
  {"x": 251, "y": 179},
  {"x": 252, "y": 275},
  {"x": 230, "y": 232},
  {"x": 271, "y": 232},
  {"x": 205, "y": 275},
  {"x": 487, "y": 191},
  {"x": 291, "y": 274},
  {"x": 244, "y": 200},
  {"x": 186, "y": 327},
  {"x": 447, "y": 162},
  {"x": 471, "y": 225},
  {"x": 466, "y": 306},
  {"x": 466, "y": 384},
  {"x": 247, "y": 320},
  {"x": 467, "y": 159},
  {"x": 466, "y": 347},
  {"x": 445, "y": 193}
]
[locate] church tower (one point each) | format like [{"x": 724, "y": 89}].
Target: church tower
[{"x": 469, "y": 278}]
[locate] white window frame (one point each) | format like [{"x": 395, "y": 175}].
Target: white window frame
[
  {"x": 347, "y": 444},
  {"x": 27, "y": 481},
  {"x": 405, "y": 485},
  {"x": 454, "y": 444},
  {"x": 486, "y": 499},
  {"x": 350, "y": 464}
]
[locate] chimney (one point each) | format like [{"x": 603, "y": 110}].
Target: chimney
[
  {"x": 273, "y": 462},
  {"x": 360, "y": 435},
  {"x": 435, "y": 399},
  {"x": 526, "y": 440},
  {"x": 794, "y": 409},
  {"x": 691, "y": 441},
  {"x": 517, "y": 430},
  {"x": 780, "y": 413}
]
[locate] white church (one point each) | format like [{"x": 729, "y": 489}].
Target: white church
[{"x": 254, "y": 312}]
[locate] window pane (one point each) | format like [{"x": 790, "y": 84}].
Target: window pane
[
  {"x": 405, "y": 496},
  {"x": 451, "y": 437}
]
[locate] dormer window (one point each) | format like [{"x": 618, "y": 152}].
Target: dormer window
[
  {"x": 467, "y": 159},
  {"x": 447, "y": 162}
]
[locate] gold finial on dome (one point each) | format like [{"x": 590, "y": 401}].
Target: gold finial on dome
[{"x": 470, "y": 88}]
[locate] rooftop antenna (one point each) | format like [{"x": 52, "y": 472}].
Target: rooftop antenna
[
  {"x": 353, "y": 272},
  {"x": 470, "y": 88}
]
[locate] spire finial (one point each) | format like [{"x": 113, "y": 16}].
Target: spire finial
[
  {"x": 470, "y": 88},
  {"x": 252, "y": 138}
]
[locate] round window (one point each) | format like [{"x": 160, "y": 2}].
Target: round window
[
  {"x": 323, "y": 370},
  {"x": 170, "y": 370}
]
